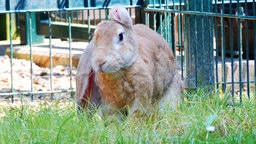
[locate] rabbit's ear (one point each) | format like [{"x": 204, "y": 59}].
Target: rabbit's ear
[
  {"x": 121, "y": 15},
  {"x": 87, "y": 94},
  {"x": 91, "y": 96}
]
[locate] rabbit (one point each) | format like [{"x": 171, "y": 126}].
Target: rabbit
[{"x": 127, "y": 68}]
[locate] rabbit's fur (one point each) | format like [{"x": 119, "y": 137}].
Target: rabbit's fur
[{"x": 128, "y": 67}]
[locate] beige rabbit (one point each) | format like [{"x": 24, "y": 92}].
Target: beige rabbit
[{"x": 127, "y": 68}]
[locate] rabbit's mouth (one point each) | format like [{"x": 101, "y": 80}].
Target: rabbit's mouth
[
  {"x": 111, "y": 68},
  {"x": 108, "y": 67}
]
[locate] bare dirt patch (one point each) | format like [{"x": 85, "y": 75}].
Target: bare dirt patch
[{"x": 27, "y": 76}]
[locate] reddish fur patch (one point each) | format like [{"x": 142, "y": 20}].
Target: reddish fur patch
[{"x": 88, "y": 92}]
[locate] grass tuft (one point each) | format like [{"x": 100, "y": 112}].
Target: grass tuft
[{"x": 190, "y": 123}]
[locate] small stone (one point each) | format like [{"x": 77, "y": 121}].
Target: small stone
[
  {"x": 5, "y": 79},
  {"x": 210, "y": 128},
  {"x": 43, "y": 73}
]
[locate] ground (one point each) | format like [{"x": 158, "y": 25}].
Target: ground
[{"x": 41, "y": 78}]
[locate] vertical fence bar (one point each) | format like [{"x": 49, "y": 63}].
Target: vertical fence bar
[
  {"x": 223, "y": 49},
  {"x": 154, "y": 17},
  {"x": 166, "y": 25},
  {"x": 171, "y": 32},
  {"x": 254, "y": 46},
  {"x": 161, "y": 23},
  {"x": 240, "y": 45},
  {"x": 166, "y": 22},
  {"x": 50, "y": 50},
  {"x": 77, "y": 16},
  {"x": 147, "y": 19},
  {"x": 187, "y": 46},
  {"x": 183, "y": 44},
  {"x": 180, "y": 44},
  {"x": 154, "y": 21},
  {"x": 70, "y": 53},
  {"x": 173, "y": 4},
  {"x": 31, "y": 52},
  {"x": 231, "y": 51},
  {"x": 55, "y": 16},
  {"x": 11, "y": 55},
  {"x": 100, "y": 17},
  {"x": 66, "y": 16},
  {"x": 83, "y": 17},
  {"x": 71, "y": 13},
  {"x": 161, "y": 19},
  {"x": 89, "y": 25},
  {"x": 247, "y": 52},
  {"x": 216, "y": 35},
  {"x": 94, "y": 17},
  {"x": 168, "y": 34},
  {"x": 61, "y": 17},
  {"x": 107, "y": 14},
  {"x": 247, "y": 61},
  {"x": 130, "y": 11}
]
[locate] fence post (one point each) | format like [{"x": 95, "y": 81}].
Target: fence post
[
  {"x": 199, "y": 44},
  {"x": 24, "y": 29}
]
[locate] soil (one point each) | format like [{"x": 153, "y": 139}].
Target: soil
[{"x": 22, "y": 73}]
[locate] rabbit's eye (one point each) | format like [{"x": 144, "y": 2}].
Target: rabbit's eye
[{"x": 121, "y": 37}]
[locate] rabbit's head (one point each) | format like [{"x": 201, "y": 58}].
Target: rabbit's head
[{"x": 114, "y": 43}]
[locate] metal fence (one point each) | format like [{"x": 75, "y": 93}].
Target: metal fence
[
  {"x": 71, "y": 21},
  {"x": 213, "y": 40}
]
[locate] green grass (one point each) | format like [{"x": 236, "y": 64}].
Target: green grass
[{"x": 57, "y": 124}]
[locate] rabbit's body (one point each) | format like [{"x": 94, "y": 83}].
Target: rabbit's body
[{"x": 134, "y": 68}]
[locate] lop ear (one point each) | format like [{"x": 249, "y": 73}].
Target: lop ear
[
  {"x": 87, "y": 94},
  {"x": 120, "y": 14}
]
